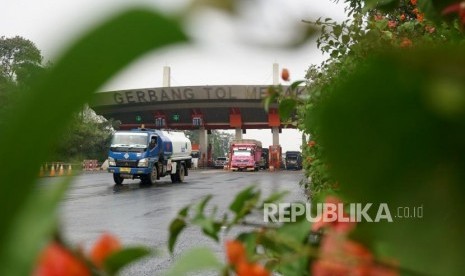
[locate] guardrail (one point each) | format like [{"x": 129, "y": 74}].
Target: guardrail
[{"x": 91, "y": 165}]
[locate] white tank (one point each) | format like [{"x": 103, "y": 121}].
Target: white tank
[{"x": 182, "y": 146}]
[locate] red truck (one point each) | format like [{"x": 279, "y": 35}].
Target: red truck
[{"x": 246, "y": 154}]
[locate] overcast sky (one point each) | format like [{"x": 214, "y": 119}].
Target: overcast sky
[{"x": 224, "y": 50}]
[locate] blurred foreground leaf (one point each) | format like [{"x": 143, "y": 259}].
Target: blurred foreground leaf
[
  {"x": 394, "y": 133},
  {"x": 195, "y": 260},
  {"x": 115, "y": 262},
  {"x": 37, "y": 122},
  {"x": 36, "y": 220}
]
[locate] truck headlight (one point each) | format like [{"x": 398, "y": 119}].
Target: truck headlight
[
  {"x": 144, "y": 162},
  {"x": 111, "y": 161}
]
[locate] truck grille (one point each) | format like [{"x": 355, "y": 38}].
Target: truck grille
[{"x": 126, "y": 163}]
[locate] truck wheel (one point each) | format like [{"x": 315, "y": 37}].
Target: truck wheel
[
  {"x": 174, "y": 178},
  {"x": 153, "y": 176},
  {"x": 118, "y": 179},
  {"x": 181, "y": 173}
]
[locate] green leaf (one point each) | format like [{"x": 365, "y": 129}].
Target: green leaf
[
  {"x": 116, "y": 261},
  {"x": 36, "y": 220},
  {"x": 337, "y": 31},
  {"x": 274, "y": 197},
  {"x": 296, "y": 84},
  {"x": 286, "y": 108},
  {"x": 195, "y": 260},
  {"x": 80, "y": 71},
  {"x": 385, "y": 5},
  {"x": 345, "y": 39},
  {"x": 200, "y": 207},
  {"x": 241, "y": 199},
  {"x": 176, "y": 227}
]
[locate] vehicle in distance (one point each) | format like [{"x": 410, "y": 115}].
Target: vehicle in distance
[
  {"x": 148, "y": 154},
  {"x": 245, "y": 155},
  {"x": 293, "y": 160},
  {"x": 220, "y": 162}
]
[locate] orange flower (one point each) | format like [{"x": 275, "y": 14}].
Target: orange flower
[
  {"x": 329, "y": 268},
  {"x": 340, "y": 256},
  {"x": 406, "y": 43},
  {"x": 413, "y": 2},
  {"x": 285, "y": 74},
  {"x": 56, "y": 260},
  {"x": 311, "y": 143},
  {"x": 235, "y": 252},
  {"x": 402, "y": 17},
  {"x": 253, "y": 269},
  {"x": 415, "y": 11},
  {"x": 103, "y": 247},
  {"x": 420, "y": 17}
]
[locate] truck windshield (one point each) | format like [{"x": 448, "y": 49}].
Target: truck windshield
[
  {"x": 240, "y": 152},
  {"x": 291, "y": 157},
  {"x": 129, "y": 140}
]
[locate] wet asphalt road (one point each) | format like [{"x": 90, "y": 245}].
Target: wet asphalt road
[{"x": 141, "y": 215}]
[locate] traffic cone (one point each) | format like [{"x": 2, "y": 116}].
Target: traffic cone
[
  {"x": 52, "y": 171},
  {"x": 60, "y": 171}
]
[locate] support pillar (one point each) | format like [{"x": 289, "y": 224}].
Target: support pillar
[
  {"x": 166, "y": 76},
  {"x": 275, "y": 132},
  {"x": 275, "y": 74},
  {"x": 238, "y": 135},
  {"x": 274, "y": 118},
  {"x": 203, "y": 147}
]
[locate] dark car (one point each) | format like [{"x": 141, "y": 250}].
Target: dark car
[{"x": 220, "y": 162}]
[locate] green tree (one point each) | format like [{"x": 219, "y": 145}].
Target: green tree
[
  {"x": 20, "y": 64},
  {"x": 88, "y": 137},
  {"x": 19, "y": 58}
]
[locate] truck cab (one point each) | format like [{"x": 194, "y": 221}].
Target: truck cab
[
  {"x": 148, "y": 154},
  {"x": 246, "y": 155}
]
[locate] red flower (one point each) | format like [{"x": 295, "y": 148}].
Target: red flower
[
  {"x": 378, "y": 17},
  {"x": 458, "y": 8},
  {"x": 430, "y": 29},
  {"x": 402, "y": 17},
  {"x": 331, "y": 219},
  {"x": 311, "y": 143},
  {"x": 56, "y": 260},
  {"x": 103, "y": 247},
  {"x": 413, "y": 2},
  {"x": 392, "y": 24}
]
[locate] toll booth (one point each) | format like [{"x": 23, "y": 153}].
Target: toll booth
[{"x": 275, "y": 155}]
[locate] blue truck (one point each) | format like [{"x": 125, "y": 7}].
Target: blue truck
[{"x": 148, "y": 154}]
